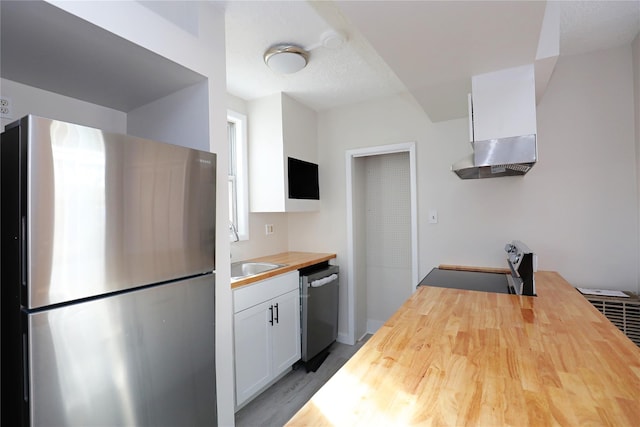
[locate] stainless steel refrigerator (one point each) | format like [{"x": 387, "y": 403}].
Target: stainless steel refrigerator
[{"x": 107, "y": 247}]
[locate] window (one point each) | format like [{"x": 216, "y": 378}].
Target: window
[{"x": 238, "y": 193}]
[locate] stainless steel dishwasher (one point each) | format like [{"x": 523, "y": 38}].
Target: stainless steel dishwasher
[{"x": 318, "y": 312}]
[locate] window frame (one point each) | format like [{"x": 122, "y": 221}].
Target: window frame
[{"x": 239, "y": 181}]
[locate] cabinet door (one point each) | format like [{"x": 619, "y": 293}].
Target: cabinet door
[
  {"x": 504, "y": 103},
  {"x": 252, "y": 334},
  {"x": 286, "y": 331}
]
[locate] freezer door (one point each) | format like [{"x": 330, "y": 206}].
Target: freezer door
[
  {"x": 142, "y": 358},
  {"x": 122, "y": 211}
]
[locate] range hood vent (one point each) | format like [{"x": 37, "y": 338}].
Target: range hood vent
[
  {"x": 502, "y": 124},
  {"x": 498, "y": 157}
]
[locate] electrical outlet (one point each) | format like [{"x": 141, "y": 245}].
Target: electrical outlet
[
  {"x": 5, "y": 108},
  {"x": 268, "y": 229},
  {"x": 433, "y": 216}
]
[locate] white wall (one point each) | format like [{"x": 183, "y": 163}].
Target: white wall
[
  {"x": 577, "y": 208},
  {"x": 181, "y": 118},
  {"x": 259, "y": 243},
  {"x": 236, "y": 104},
  {"x": 587, "y": 198},
  {"x": 30, "y": 100}
]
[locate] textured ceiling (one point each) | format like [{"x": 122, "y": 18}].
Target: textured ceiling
[
  {"x": 333, "y": 77},
  {"x": 587, "y": 26},
  {"x": 430, "y": 48}
]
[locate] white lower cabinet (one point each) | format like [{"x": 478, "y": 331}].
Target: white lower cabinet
[
  {"x": 253, "y": 343},
  {"x": 266, "y": 332}
]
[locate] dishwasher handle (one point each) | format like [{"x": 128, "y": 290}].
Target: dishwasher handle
[{"x": 324, "y": 281}]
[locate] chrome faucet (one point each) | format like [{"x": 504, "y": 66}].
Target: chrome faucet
[{"x": 234, "y": 231}]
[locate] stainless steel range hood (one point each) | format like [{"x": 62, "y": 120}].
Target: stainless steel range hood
[
  {"x": 494, "y": 158},
  {"x": 502, "y": 124}
]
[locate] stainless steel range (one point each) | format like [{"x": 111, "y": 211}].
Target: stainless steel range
[{"x": 522, "y": 263}]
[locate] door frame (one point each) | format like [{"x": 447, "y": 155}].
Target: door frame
[{"x": 351, "y": 155}]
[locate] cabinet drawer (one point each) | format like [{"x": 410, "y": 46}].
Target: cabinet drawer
[{"x": 258, "y": 292}]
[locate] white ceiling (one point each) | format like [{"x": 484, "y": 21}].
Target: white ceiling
[
  {"x": 332, "y": 77},
  {"x": 430, "y": 48}
]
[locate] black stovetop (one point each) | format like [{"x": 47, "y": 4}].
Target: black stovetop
[{"x": 469, "y": 280}]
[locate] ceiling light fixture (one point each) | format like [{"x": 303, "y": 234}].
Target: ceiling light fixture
[{"x": 286, "y": 58}]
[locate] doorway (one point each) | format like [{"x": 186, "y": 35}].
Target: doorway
[{"x": 381, "y": 234}]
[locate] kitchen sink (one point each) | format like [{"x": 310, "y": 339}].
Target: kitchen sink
[{"x": 243, "y": 269}]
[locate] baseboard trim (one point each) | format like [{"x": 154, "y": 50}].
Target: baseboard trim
[
  {"x": 344, "y": 339},
  {"x": 373, "y": 326}
]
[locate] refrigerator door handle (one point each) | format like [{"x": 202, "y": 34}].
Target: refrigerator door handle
[
  {"x": 23, "y": 242},
  {"x": 25, "y": 369}
]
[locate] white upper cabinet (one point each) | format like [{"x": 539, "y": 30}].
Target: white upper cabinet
[
  {"x": 279, "y": 127},
  {"x": 503, "y": 103}
]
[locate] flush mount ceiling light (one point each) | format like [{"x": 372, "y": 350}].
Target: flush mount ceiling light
[{"x": 286, "y": 58}]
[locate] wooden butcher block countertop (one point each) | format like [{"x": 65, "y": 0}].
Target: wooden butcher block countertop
[
  {"x": 290, "y": 260},
  {"x": 454, "y": 357}
]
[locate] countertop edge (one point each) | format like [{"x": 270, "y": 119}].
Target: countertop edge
[
  {"x": 474, "y": 268},
  {"x": 309, "y": 258}
]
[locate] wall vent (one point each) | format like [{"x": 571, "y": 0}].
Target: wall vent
[{"x": 622, "y": 312}]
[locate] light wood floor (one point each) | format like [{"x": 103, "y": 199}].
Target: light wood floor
[{"x": 275, "y": 406}]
